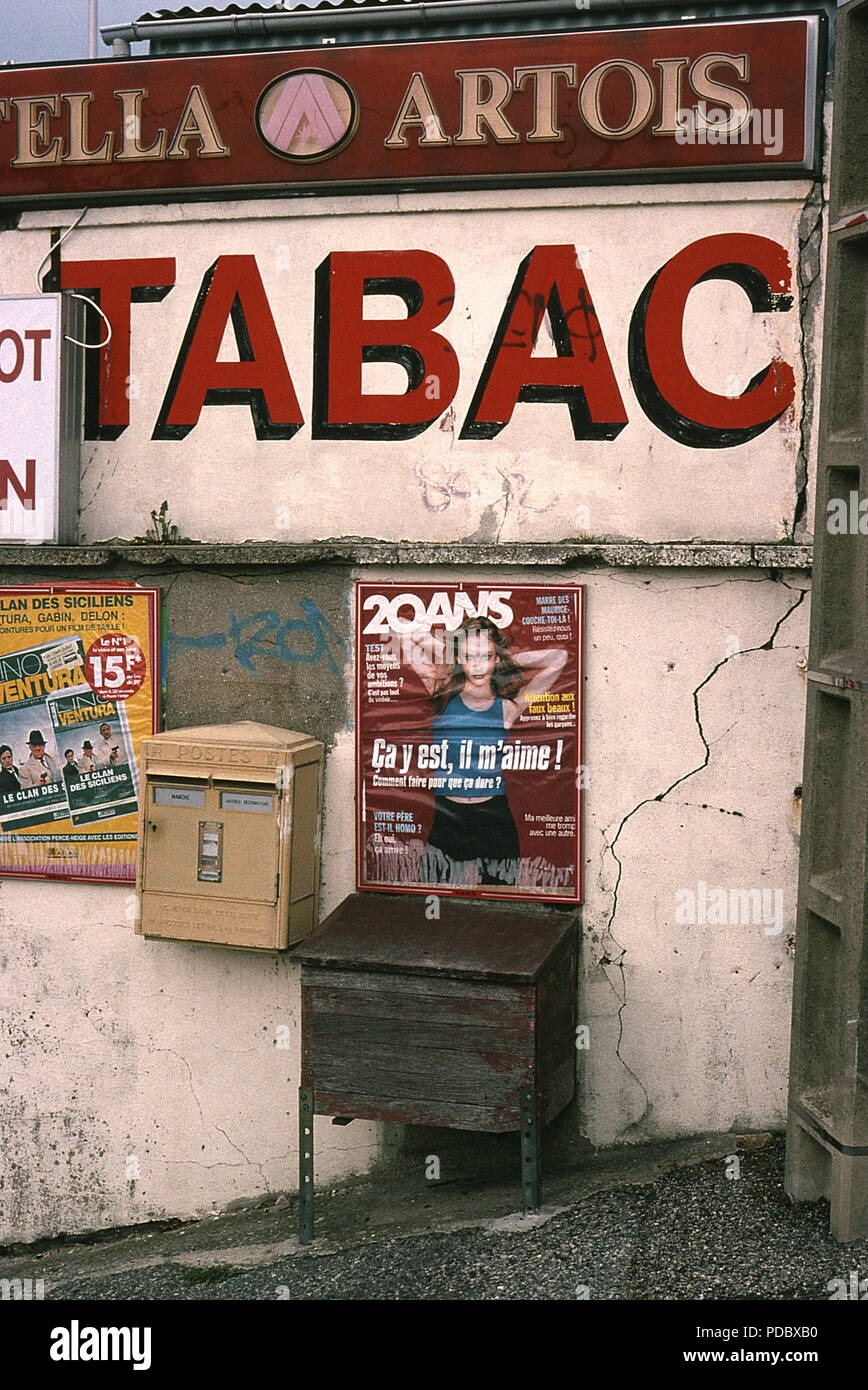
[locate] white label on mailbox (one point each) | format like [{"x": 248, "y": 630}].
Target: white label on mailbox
[
  {"x": 244, "y": 801},
  {"x": 210, "y": 851},
  {"x": 179, "y": 796}
]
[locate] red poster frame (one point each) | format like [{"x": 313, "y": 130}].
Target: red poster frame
[{"x": 364, "y": 883}]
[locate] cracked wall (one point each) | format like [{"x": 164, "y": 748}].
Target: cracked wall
[
  {"x": 144, "y": 1079},
  {"x": 698, "y": 1013},
  {"x": 141, "y": 1079}
]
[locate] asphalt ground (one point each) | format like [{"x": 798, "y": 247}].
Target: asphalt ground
[{"x": 705, "y": 1227}]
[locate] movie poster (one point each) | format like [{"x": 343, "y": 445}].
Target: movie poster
[
  {"x": 79, "y": 689},
  {"x": 469, "y": 749}
]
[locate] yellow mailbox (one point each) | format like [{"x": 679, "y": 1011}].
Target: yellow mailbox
[{"x": 229, "y": 835}]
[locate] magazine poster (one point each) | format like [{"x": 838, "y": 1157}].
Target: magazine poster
[
  {"x": 107, "y": 788},
  {"x": 469, "y": 739},
  {"x": 79, "y": 690}
]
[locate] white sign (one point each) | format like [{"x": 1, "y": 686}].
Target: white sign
[
  {"x": 239, "y": 801},
  {"x": 179, "y": 796},
  {"x": 35, "y": 433}
]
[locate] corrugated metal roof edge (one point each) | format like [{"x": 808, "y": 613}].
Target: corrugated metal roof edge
[
  {"x": 411, "y": 19},
  {"x": 336, "y": 35},
  {"x": 289, "y": 6},
  {"x": 414, "y": 8}
]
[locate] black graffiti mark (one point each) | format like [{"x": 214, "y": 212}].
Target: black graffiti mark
[
  {"x": 539, "y": 305},
  {"x": 585, "y": 309}
]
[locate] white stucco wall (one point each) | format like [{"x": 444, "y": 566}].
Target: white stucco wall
[
  {"x": 534, "y": 481},
  {"x": 144, "y": 1079}
]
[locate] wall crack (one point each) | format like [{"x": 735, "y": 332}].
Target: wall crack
[
  {"x": 616, "y": 959},
  {"x": 809, "y": 276}
]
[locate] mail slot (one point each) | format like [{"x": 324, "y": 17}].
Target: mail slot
[{"x": 229, "y": 835}]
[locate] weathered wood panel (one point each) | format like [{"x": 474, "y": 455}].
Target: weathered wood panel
[
  {"x": 477, "y": 940},
  {"x": 556, "y": 1012},
  {"x": 454, "y": 1115},
  {"x": 419, "y": 1029}
]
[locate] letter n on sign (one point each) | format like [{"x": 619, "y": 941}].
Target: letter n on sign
[{"x": 40, "y": 417}]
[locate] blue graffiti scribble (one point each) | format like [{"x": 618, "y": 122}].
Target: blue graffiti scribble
[
  {"x": 214, "y": 639},
  {"x": 266, "y": 634}
]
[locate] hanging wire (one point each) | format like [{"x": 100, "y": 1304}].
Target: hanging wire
[
  {"x": 93, "y": 304},
  {"x": 60, "y": 240},
  {"x": 86, "y": 298}
]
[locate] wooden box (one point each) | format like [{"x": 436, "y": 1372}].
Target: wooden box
[{"x": 439, "y": 1022}]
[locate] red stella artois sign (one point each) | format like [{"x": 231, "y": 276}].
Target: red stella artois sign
[{"x": 664, "y": 101}]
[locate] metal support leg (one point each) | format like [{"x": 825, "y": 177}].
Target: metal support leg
[
  {"x": 530, "y": 1137},
  {"x": 305, "y": 1165}
]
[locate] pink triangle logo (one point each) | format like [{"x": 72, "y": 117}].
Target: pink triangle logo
[{"x": 307, "y": 114}]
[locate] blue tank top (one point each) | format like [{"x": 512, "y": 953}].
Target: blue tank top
[{"x": 459, "y": 724}]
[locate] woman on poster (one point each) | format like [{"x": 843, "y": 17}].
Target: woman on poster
[{"x": 477, "y": 696}]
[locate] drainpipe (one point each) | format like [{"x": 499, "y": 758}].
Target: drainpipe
[{"x": 299, "y": 20}]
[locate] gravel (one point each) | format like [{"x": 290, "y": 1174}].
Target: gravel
[{"x": 694, "y": 1233}]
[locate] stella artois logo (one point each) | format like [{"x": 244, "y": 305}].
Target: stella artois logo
[{"x": 307, "y": 115}]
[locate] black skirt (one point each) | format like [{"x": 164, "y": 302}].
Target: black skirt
[{"x": 472, "y": 842}]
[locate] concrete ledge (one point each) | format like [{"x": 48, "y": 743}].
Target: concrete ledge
[{"x": 360, "y": 550}]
